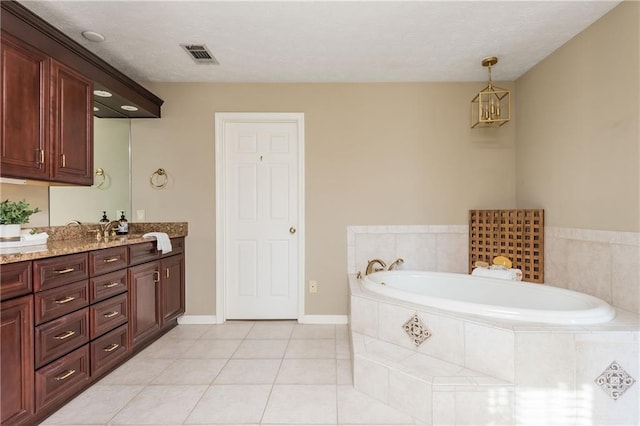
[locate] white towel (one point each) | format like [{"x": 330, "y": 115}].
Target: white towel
[
  {"x": 162, "y": 241},
  {"x": 26, "y": 235},
  {"x": 512, "y": 274}
]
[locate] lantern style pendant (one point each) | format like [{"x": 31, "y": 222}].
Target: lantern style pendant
[{"x": 491, "y": 107}]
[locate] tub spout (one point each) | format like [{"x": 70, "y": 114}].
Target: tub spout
[
  {"x": 395, "y": 263},
  {"x": 371, "y": 266}
]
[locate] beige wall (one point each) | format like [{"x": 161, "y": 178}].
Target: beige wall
[
  {"x": 375, "y": 154},
  {"x": 36, "y": 195},
  {"x": 577, "y": 135}
]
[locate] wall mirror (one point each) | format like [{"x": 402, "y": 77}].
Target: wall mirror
[{"x": 111, "y": 191}]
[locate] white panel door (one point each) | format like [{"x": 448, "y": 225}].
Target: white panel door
[{"x": 261, "y": 209}]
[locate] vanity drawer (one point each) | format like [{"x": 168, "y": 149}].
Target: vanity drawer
[
  {"x": 143, "y": 252},
  {"x": 107, "y": 260},
  {"x": 60, "y": 336},
  {"x": 15, "y": 279},
  {"x": 107, "y": 315},
  {"x": 61, "y": 270},
  {"x": 107, "y": 285},
  {"x": 109, "y": 349},
  {"x": 62, "y": 378},
  {"x": 58, "y": 301}
]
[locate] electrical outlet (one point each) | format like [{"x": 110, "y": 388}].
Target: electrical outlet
[
  {"x": 140, "y": 215},
  {"x": 313, "y": 286}
]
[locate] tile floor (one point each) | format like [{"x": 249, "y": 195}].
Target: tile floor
[{"x": 249, "y": 373}]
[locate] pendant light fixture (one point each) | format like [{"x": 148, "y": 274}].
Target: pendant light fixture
[{"x": 491, "y": 107}]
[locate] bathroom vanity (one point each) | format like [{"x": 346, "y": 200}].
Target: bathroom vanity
[{"x": 69, "y": 319}]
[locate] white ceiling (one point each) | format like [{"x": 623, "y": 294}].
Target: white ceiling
[{"x": 323, "y": 41}]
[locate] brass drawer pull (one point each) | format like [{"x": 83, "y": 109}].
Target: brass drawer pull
[
  {"x": 113, "y": 284},
  {"x": 65, "y": 300},
  {"x": 111, "y": 259},
  {"x": 64, "y": 335},
  {"x": 66, "y": 375},
  {"x": 112, "y": 347},
  {"x": 156, "y": 276},
  {"x": 64, "y": 271},
  {"x": 111, "y": 314}
]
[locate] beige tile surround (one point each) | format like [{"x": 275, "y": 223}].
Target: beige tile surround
[{"x": 605, "y": 264}]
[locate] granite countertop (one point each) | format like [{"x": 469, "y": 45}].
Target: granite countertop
[{"x": 68, "y": 240}]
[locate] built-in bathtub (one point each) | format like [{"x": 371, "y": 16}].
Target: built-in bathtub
[
  {"x": 495, "y": 298},
  {"x": 480, "y": 363}
]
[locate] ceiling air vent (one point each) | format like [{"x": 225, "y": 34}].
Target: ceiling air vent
[{"x": 200, "y": 54}]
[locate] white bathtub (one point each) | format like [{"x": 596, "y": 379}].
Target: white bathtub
[{"x": 491, "y": 297}]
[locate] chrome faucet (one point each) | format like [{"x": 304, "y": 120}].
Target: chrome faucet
[
  {"x": 107, "y": 227},
  {"x": 371, "y": 266},
  {"x": 395, "y": 263}
]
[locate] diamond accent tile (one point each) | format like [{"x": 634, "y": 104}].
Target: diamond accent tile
[
  {"x": 417, "y": 330},
  {"x": 614, "y": 380}
]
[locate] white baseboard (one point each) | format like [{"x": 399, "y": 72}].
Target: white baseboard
[
  {"x": 305, "y": 319},
  {"x": 197, "y": 319},
  {"x": 324, "y": 319}
]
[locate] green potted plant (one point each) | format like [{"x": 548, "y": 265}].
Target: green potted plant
[{"x": 12, "y": 215}]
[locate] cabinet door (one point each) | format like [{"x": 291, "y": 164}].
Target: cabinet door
[
  {"x": 24, "y": 106},
  {"x": 72, "y": 127},
  {"x": 144, "y": 296},
  {"x": 16, "y": 360},
  {"x": 172, "y": 285}
]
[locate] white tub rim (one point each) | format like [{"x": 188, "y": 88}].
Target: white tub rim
[{"x": 600, "y": 313}]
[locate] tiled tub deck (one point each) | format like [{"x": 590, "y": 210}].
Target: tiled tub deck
[{"x": 475, "y": 370}]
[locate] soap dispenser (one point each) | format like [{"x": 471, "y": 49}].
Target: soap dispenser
[
  {"x": 104, "y": 217},
  {"x": 123, "y": 225}
]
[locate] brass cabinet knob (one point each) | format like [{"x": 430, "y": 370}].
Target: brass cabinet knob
[{"x": 292, "y": 230}]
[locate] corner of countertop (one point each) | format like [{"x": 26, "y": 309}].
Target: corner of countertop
[{"x": 173, "y": 229}]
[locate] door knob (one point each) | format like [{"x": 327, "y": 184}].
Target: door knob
[{"x": 292, "y": 230}]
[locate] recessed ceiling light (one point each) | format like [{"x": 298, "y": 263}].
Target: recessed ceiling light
[
  {"x": 102, "y": 93},
  {"x": 93, "y": 36},
  {"x": 96, "y": 109},
  {"x": 129, "y": 108}
]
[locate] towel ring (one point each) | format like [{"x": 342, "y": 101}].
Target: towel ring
[
  {"x": 100, "y": 173},
  {"x": 159, "y": 179}
]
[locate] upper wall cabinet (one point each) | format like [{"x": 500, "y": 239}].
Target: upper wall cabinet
[
  {"x": 72, "y": 126},
  {"x": 46, "y": 97},
  {"x": 24, "y": 106},
  {"x": 47, "y": 120}
]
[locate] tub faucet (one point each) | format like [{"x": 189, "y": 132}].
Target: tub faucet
[
  {"x": 395, "y": 263},
  {"x": 371, "y": 266}
]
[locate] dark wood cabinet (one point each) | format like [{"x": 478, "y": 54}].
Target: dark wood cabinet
[
  {"x": 24, "y": 108},
  {"x": 47, "y": 117},
  {"x": 172, "y": 287},
  {"x": 16, "y": 361},
  {"x": 72, "y": 126},
  {"x": 69, "y": 320},
  {"x": 144, "y": 302}
]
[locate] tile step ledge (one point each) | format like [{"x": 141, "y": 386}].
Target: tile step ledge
[{"x": 416, "y": 383}]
